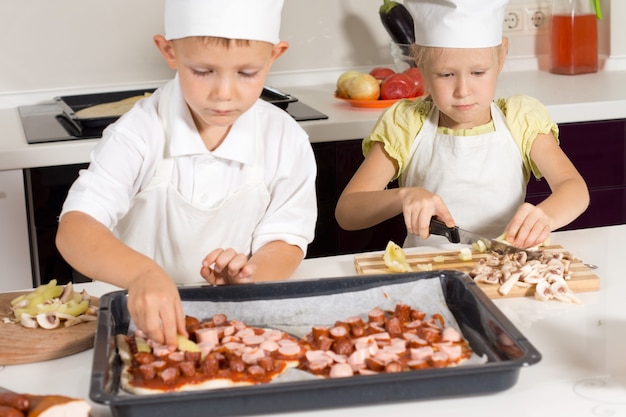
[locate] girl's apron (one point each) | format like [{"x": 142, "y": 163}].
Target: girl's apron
[
  {"x": 164, "y": 226},
  {"x": 480, "y": 178}
]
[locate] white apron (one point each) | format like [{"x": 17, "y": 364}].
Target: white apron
[
  {"x": 480, "y": 178},
  {"x": 164, "y": 226}
]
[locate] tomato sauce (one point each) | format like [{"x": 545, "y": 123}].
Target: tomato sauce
[{"x": 573, "y": 44}]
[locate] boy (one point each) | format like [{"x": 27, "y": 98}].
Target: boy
[{"x": 200, "y": 181}]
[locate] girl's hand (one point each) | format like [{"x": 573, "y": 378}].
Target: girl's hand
[
  {"x": 154, "y": 305},
  {"x": 226, "y": 266},
  {"x": 529, "y": 227},
  {"x": 419, "y": 206}
]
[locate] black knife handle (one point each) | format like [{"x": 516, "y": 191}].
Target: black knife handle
[{"x": 437, "y": 227}]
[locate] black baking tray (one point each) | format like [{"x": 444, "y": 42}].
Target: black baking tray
[
  {"x": 488, "y": 331},
  {"x": 74, "y": 103}
]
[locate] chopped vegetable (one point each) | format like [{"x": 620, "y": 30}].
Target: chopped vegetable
[
  {"x": 465, "y": 254},
  {"x": 439, "y": 259},
  {"x": 425, "y": 267},
  {"x": 479, "y": 246},
  {"x": 395, "y": 259}
]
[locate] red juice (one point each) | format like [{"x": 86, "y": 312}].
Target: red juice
[{"x": 573, "y": 44}]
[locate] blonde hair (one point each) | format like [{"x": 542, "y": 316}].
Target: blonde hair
[{"x": 423, "y": 55}]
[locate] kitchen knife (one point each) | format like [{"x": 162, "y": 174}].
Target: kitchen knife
[{"x": 457, "y": 235}]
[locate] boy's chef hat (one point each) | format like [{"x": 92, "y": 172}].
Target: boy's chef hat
[
  {"x": 457, "y": 23},
  {"x": 233, "y": 19}
]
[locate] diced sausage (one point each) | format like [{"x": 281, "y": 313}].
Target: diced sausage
[
  {"x": 338, "y": 332},
  {"x": 219, "y": 319},
  {"x": 403, "y": 312},
  {"x": 376, "y": 316},
  {"x": 289, "y": 349},
  {"x": 417, "y": 364},
  {"x": 374, "y": 364},
  {"x": 392, "y": 367},
  {"x": 143, "y": 357},
  {"x": 237, "y": 364},
  {"x": 266, "y": 363},
  {"x": 253, "y": 339},
  {"x": 12, "y": 399},
  {"x": 187, "y": 368},
  {"x": 343, "y": 346},
  {"x": 269, "y": 345},
  {"x": 317, "y": 366},
  {"x": 324, "y": 343},
  {"x": 417, "y": 315},
  {"x": 341, "y": 370},
  {"x": 319, "y": 331},
  {"x": 256, "y": 371},
  {"x": 176, "y": 356},
  {"x": 394, "y": 327},
  {"x": 169, "y": 375},
  {"x": 450, "y": 334},
  {"x": 147, "y": 371},
  {"x": 159, "y": 365},
  {"x": 439, "y": 360},
  {"x": 210, "y": 365},
  {"x": 193, "y": 356}
]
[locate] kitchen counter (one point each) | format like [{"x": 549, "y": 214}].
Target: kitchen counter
[
  {"x": 582, "y": 371},
  {"x": 588, "y": 97}
]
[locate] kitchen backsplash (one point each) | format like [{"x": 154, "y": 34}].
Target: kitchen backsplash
[{"x": 58, "y": 44}]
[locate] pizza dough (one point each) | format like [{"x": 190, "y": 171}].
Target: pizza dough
[{"x": 111, "y": 109}]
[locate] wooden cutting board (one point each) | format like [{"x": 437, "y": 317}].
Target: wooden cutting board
[
  {"x": 582, "y": 280},
  {"x": 19, "y": 344}
]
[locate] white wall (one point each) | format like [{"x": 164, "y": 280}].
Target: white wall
[{"x": 56, "y": 44}]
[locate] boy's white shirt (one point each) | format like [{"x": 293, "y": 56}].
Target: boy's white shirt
[{"x": 126, "y": 159}]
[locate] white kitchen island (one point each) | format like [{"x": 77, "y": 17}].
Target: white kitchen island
[{"x": 582, "y": 371}]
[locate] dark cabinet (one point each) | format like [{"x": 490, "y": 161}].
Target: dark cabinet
[
  {"x": 336, "y": 163},
  {"x": 598, "y": 149}
]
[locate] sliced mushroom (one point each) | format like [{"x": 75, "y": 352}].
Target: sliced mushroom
[
  {"x": 48, "y": 320},
  {"x": 67, "y": 293},
  {"x": 29, "y": 321}
]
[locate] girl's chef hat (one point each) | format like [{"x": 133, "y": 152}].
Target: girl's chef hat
[
  {"x": 457, "y": 23},
  {"x": 233, "y": 19}
]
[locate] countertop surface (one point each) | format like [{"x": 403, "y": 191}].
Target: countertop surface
[
  {"x": 580, "y": 98},
  {"x": 582, "y": 371}
]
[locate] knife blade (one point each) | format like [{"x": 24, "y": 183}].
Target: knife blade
[{"x": 457, "y": 235}]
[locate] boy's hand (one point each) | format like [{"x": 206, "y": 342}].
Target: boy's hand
[
  {"x": 529, "y": 227},
  {"x": 155, "y": 307},
  {"x": 226, "y": 266}
]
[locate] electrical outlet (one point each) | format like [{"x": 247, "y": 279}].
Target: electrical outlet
[
  {"x": 513, "y": 21},
  {"x": 536, "y": 18}
]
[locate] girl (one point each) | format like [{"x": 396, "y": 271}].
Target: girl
[{"x": 458, "y": 154}]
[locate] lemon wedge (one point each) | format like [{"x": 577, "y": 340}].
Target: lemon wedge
[{"x": 395, "y": 259}]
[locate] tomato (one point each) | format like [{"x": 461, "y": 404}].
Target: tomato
[
  {"x": 416, "y": 75},
  {"x": 380, "y": 73},
  {"x": 398, "y": 85}
]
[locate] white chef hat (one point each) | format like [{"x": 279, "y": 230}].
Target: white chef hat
[
  {"x": 457, "y": 23},
  {"x": 233, "y": 19}
]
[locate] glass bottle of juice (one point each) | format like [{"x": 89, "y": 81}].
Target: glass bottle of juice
[{"x": 573, "y": 37}]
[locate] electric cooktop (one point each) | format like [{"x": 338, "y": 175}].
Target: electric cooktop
[{"x": 52, "y": 122}]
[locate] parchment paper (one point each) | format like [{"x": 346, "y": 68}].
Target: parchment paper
[{"x": 297, "y": 315}]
